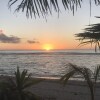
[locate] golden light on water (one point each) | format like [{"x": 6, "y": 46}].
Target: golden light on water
[{"x": 48, "y": 47}]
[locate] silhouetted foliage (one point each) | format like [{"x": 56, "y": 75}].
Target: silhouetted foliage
[
  {"x": 16, "y": 88},
  {"x": 90, "y": 77},
  {"x": 91, "y": 35},
  {"x": 43, "y": 7}
]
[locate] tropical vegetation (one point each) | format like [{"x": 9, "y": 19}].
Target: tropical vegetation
[
  {"x": 90, "y": 77},
  {"x": 91, "y": 35},
  {"x": 15, "y": 88},
  {"x": 44, "y": 7}
]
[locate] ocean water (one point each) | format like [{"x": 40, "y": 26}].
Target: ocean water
[{"x": 50, "y": 64}]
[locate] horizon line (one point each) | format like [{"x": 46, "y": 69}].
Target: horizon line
[{"x": 43, "y": 49}]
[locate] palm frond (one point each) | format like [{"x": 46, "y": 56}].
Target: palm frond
[
  {"x": 91, "y": 35},
  {"x": 66, "y": 77},
  {"x": 43, "y": 7},
  {"x": 87, "y": 76},
  {"x": 96, "y": 73},
  {"x": 72, "y": 70},
  {"x": 16, "y": 88},
  {"x": 84, "y": 72}
]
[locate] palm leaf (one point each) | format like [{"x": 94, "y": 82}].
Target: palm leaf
[
  {"x": 87, "y": 76},
  {"x": 91, "y": 35},
  {"x": 43, "y": 7},
  {"x": 38, "y": 7},
  {"x": 96, "y": 73},
  {"x": 84, "y": 72},
  {"x": 64, "y": 79}
]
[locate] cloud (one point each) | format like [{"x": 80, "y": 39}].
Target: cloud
[
  {"x": 32, "y": 41},
  {"x": 9, "y": 39}
]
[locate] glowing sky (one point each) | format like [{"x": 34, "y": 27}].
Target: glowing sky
[{"x": 35, "y": 33}]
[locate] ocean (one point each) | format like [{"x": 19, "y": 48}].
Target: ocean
[{"x": 48, "y": 64}]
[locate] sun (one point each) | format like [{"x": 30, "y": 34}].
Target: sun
[{"x": 47, "y": 47}]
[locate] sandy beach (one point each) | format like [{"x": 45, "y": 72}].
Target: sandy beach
[
  {"x": 53, "y": 89},
  {"x": 74, "y": 90}
]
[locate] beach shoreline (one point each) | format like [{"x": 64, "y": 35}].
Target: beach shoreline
[
  {"x": 73, "y": 90},
  {"x": 53, "y": 89}
]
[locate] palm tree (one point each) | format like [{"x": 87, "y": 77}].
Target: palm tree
[
  {"x": 90, "y": 77},
  {"x": 43, "y": 7},
  {"x": 91, "y": 35},
  {"x": 16, "y": 89}
]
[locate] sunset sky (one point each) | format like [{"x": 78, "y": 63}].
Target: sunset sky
[{"x": 18, "y": 32}]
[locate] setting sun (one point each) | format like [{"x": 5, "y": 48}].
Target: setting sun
[{"x": 48, "y": 47}]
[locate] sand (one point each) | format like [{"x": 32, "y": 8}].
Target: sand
[{"x": 54, "y": 90}]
